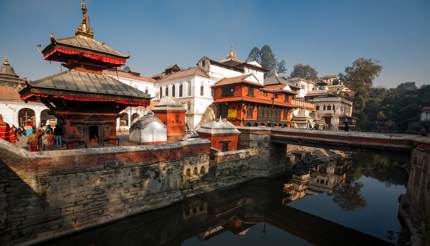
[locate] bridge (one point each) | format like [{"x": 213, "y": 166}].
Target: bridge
[{"x": 335, "y": 139}]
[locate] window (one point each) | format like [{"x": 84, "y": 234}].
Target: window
[
  {"x": 181, "y": 87},
  {"x": 173, "y": 91},
  {"x": 265, "y": 94},
  {"x": 202, "y": 170},
  {"x": 161, "y": 92},
  {"x": 146, "y": 90},
  {"x": 324, "y": 107},
  {"x": 227, "y": 91},
  {"x": 202, "y": 90},
  {"x": 196, "y": 172},
  {"x": 318, "y": 107},
  {"x": 334, "y": 108},
  {"x": 167, "y": 91},
  {"x": 189, "y": 88},
  {"x": 286, "y": 98},
  {"x": 250, "y": 91},
  {"x": 249, "y": 111},
  {"x": 329, "y": 107}
]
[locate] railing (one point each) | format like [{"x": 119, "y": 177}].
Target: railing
[{"x": 302, "y": 104}]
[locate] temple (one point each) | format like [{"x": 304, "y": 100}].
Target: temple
[
  {"x": 245, "y": 101},
  {"x": 83, "y": 99}
]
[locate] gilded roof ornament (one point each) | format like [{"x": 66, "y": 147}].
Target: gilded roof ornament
[{"x": 84, "y": 29}]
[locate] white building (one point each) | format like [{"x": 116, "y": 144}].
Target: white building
[
  {"x": 425, "y": 114},
  {"x": 332, "y": 110},
  {"x": 305, "y": 86},
  {"x": 14, "y": 110},
  {"x": 192, "y": 86},
  {"x": 146, "y": 84}
]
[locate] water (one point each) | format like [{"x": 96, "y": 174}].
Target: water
[{"x": 348, "y": 203}]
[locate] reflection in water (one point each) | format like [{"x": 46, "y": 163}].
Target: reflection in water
[{"x": 346, "y": 203}]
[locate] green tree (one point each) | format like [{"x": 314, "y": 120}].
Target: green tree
[
  {"x": 255, "y": 55},
  {"x": 267, "y": 59},
  {"x": 281, "y": 67},
  {"x": 359, "y": 78},
  {"x": 304, "y": 71}
]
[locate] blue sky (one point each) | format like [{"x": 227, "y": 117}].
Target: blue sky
[{"x": 329, "y": 35}]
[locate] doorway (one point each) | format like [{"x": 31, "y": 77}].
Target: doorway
[{"x": 93, "y": 134}]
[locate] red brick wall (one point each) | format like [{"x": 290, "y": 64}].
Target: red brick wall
[
  {"x": 216, "y": 140},
  {"x": 175, "y": 123}
]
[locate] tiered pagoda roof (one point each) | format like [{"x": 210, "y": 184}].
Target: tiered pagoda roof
[
  {"x": 86, "y": 58},
  {"x": 8, "y": 77}
]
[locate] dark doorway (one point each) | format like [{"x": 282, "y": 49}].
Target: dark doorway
[
  {"x": 225, "y": 145},
  {"x": 93, "y": 134}
]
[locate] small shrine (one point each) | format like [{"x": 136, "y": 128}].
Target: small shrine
[
  {"x": 172, "y": 114},
  {"x": 148, "y": 130},
  {"x": 223, "y": 135},
  {"x": 84, "y": 100}
]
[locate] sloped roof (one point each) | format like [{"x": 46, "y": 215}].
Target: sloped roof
[
  {"x": 236, "y": 80},
  {"x": 7, "y": 75},
  {"x": 84, "y": 82},
  {"x": 128, "y": 75},
  {"x": 220, "y": 126},
  {"x": 87, "y": 43},
  {"x": 184, "y": 73},
  {"x": 284, "y": 88},
  {"x": 8, "y": 93}
]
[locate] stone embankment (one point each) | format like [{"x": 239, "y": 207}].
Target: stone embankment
[
  {"x": 303, "y": 156},
  {"x": 52, "y": 193}
]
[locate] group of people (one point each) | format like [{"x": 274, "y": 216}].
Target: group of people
[{"x": 45, "y": 139}]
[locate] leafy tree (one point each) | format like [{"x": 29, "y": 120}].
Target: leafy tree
[
  {"x": 304, "y": 71},
  {"x": 359, "y": 78},
  {"x": 267, "y": 59},
  {"x": 255, "y": 55},
  {"x": 281, "y": 67},
  {"x": 349, "y": 197}
]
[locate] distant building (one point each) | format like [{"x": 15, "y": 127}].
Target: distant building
[
  {"x": 425, "y": 114},
  {"x": 192, "y": 86},
  {"x": 332, "y": 111},
  {"x": 134, "y": 79},
  {"x": 14, "y": 110}
]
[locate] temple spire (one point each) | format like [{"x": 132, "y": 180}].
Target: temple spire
[
  {"x": 231, "y": 53},
  {"x": 84, "y": 28},
  {"x": 5, "y": 61}
]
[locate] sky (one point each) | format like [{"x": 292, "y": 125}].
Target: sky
[{"x": 329, "y": 35}]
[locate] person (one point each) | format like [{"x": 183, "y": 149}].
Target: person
[
  {"x": 48, "y": 140},
  {"x": 48, "y": 129},
  {"x": 346, "y": 124},
  {"x": 33, "y": 141},
  {"x": 58, "y": 133}
]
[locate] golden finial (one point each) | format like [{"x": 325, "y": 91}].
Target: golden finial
[
  {"x": 84, "y": 28},
  {"x": 231, "y": 53},
  {"x": 5, "y": 61}
]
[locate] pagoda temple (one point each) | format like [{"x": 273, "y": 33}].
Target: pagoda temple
[{"x": 84, "y": 100}]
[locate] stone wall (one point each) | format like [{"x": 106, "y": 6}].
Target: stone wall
[
  {"x": 48, "y": 194},
  {"x": 51, "y": 193},
  {"x": 416, "y": 203}
]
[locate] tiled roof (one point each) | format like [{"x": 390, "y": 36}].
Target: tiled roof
[
  {"x": 88, "y": 43},
  {"x": 84, "y": 82},
  {"x": 279, "y": 88},
  {"x": 184, "y": 73},
  {"x": 8, "y": 75},
  {"x": 236, "y": 80},
  {"x": 8, "y": 93},
  {"x": 123, "y": 74}
]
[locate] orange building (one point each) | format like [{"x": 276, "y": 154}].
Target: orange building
[
  {"x": 223, "y": 135},
  {"x": 172, "y": 114},
  {"x": 245, "y": 102}
]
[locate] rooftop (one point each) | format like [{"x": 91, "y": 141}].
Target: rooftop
[
  {"x": 237, "y": 80},
  {"x": 8, "y": 77},
  {"x": 220, "y": 126}
]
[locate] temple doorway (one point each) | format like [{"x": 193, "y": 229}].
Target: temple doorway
[
  {"x": 27, "y": 117},
  {"x": 93, "y": 134},
  {"x": 47, "y": 119}
]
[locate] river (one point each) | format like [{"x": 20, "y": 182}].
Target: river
[{"x": 352, "y": 202}]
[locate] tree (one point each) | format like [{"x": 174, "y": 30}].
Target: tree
[
  {"x": 304, "y": 71},
  {"x": 281, "y": 67},
  {"x": 359, "y": 78},
  {"x": 255, "y": 55},
  {"x": 267, "y": 59}
]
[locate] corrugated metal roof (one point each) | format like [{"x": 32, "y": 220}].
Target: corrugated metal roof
[{"x": 78, "y": 81}]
